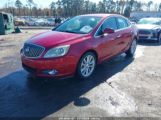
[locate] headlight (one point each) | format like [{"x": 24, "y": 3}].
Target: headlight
[
  {"x": 155, "y": 30},
  {"x": 57, "y": 51}
]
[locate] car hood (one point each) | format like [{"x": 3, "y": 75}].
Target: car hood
[
  {"x": 147, "y": 26},
  {"x": 53, "y": 38}
]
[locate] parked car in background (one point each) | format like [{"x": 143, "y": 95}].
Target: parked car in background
[
  {"x": 135, "y": 20},
  {"x": 150, "y": 29},
  {"x": 76, "y": 46},
  {"x": 19, "y": 22},
  {"x": 41, "y": 22},
  {"x": 50, "y": 21},
  {"x": 37, "y": 21},
  {"x": 30, "y": 21}
]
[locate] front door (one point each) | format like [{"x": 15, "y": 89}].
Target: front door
[{"x": 108, "y": 42}]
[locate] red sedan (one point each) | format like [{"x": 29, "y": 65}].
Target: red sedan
[{"x": 78, "y": 45}]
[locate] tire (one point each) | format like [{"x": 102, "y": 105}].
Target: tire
[
  {"x": 132, "y": 49},
  {"x": 159, "y": 38},
  {"x": 86, "y": 65}
]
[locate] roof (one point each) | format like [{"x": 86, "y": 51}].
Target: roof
[
  {"x": 5, "y": 13},
  {"x": 98, "y": 15}
]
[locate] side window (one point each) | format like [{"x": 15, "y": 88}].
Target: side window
[
  {"x": 5, "y": 17},
  {"x": 109, "y": 23},
  {"x": 122, "y": 23}
]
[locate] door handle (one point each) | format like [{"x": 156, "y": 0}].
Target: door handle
[{"x": 119, "y": 36}]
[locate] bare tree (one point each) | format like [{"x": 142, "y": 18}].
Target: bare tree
[
  {"x": 122, "y": 6},
  {"x": 31, "y": 4},
  {"x": 53, "y": 8},
  {"x": 156, "y": 7},
  {"x": 69, "y": 8},
  {"x": 131, "y": 3},
  {"x": 59, "y": 8},
  {"x": 18, "y": 4},
  {"x": 159, "y": 7},
  {"x": 101, "y": 7},
  {"x": 139, "y": 6},
  {"x": 149, "y": 5}
]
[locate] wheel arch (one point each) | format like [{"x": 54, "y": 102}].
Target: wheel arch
[
  {"x": 92, "y": 51},
  {"x": 87, "y": 51},
  {"x": 159, "y": 32}
]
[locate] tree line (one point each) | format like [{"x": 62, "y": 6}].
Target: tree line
[{"x": 68, "y": 8}]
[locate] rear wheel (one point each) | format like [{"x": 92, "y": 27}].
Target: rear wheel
[
  {"x": 132, "y": 49},
  {"x": 86, "y": 65}
]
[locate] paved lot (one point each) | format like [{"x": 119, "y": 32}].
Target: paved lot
[{"x": 122, "y": 87}]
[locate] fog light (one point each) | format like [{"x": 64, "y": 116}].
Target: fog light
[
  {"x": 53, "y": 72},
  {"x": 50, "y": 72}
]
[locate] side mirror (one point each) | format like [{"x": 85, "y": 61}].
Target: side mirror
[{"x": 108, "y": 31}]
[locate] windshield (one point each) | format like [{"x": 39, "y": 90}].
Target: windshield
[
  {"x": 79, "y": 25},
  {"x": 150, "y": 21}
]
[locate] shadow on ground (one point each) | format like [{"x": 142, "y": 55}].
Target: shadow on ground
[{"x": 21, "y": 96}]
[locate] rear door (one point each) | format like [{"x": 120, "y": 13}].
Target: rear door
[{"x": 124, "y": 34}]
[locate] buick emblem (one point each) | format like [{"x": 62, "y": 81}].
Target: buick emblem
[{"x": 27, "y": 49}]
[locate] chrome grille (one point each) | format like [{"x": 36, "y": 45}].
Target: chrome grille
[{"x": 33, "y": 51}]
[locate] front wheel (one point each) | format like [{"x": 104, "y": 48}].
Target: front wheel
[
  {"x": 86, "y": 65},
  {"x": 132, "y": 49}
]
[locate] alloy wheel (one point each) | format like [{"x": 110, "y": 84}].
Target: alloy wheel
[
  {"x": 133, "y": 46},
  {"x": 87, "y": 65},
  {"x": 159, "y": 39}
]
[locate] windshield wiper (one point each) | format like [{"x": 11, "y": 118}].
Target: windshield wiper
[
  {"x": 69, "y": 31},
  {"x": 65, "y": 31}
]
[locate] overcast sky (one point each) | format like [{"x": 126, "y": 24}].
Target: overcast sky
[{"x": 45, "y": 3}]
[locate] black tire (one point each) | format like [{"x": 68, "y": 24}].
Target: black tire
[
  {"x": 79, "y": 73},
  {"x": 159, "y": 38},
  {"x": 131, "y": 50}
]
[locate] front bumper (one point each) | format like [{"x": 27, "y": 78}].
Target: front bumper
[{"x": 64, "y": 67}]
